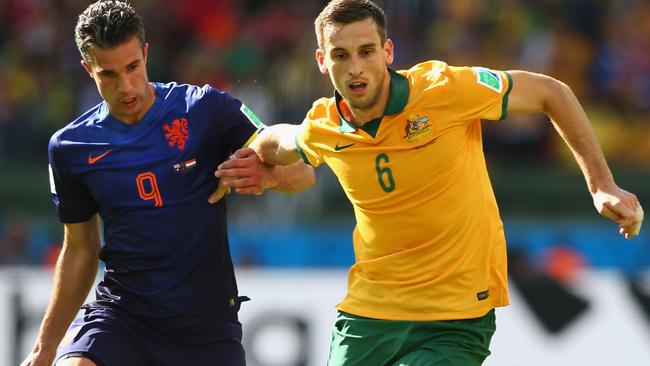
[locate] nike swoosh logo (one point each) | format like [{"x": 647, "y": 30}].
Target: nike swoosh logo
[
  {"x": 92, "y": 160},
  {"x": 339, "y": 148}
]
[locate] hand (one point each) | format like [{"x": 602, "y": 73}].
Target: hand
[
  {"x": 619, "y": 206},
  {"x": 36, "y": 358},
  {"x": 222, "y": 189},
  {"x": 245, "y": 173}
]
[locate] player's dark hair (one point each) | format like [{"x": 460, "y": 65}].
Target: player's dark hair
[
  {"x": 350, "y": 11},
  {"x": 107, "y": 24}
]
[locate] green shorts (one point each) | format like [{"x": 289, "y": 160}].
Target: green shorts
[{"x": 359, "y": 341}]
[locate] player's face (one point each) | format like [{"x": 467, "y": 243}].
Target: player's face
[
  {"x": 121, "y": 77},
  {"x": 356, "y": 62}
]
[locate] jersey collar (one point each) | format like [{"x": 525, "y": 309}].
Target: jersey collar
[{"x": 397, "y": 99}]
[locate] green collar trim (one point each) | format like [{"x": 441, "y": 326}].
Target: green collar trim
[{"x": 397, "y": 99}]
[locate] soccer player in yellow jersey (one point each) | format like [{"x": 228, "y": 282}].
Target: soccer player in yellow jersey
[{"x": 406, "y": 147}]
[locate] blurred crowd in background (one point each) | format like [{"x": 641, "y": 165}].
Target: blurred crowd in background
[{"x": 263, "y": 53}]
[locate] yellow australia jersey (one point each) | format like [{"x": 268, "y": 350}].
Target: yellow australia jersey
[{"x": 428, "y": 241}]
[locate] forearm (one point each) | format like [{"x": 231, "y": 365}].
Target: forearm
[
  {"x": 532, "y": 93},
  {"x": 291, "y": 178},
  {"x": 74, "y": 275},
  {"x": 572, "y": 124}
]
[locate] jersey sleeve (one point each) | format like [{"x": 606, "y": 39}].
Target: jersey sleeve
[
  {"x": 478, "y": 93},
  {"x": 238, "y": 124},
  {"x": 307, "y": 138},
  {"x": 72, "y": 199}
]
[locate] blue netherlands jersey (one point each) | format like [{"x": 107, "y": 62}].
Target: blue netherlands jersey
[{"x": 165, "y": 247}]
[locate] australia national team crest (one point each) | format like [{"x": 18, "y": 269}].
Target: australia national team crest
[
  {"x": 417, "y": 128},
  {"x": 177, "y": 133}
]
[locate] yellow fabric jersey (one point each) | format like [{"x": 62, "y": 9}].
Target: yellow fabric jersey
[{"x": 429, "y": 242}]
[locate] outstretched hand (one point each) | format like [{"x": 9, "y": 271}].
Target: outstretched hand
[
  {"x": 36, "y": 358},
  {"x": 244, "y": 172},
  {"x": 621, "y": 207}
]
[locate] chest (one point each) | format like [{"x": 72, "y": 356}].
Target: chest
[
  {"x": 408, "y": 155},
  {"x": 171, "y": 162}
]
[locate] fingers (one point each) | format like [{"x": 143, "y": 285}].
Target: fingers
[
  {"x": 234, "y": 163},
  {"x": 244, "y": 153},
  {"x": 246, "y": 182},
  {"x": 249, "y": 190},
  {"x": 621, "y": 207},
  {"x": 242, "y": 178},
  {"x": 609, "y": 213},
  {"x": 222, "y": 190},
  {"x": 243, "y": 172},
  {"x": 233, "y": 172},
  {"x": 241, "y": 186},
  {"x": 242, "y": 159},
  {"x": 622, "y": 217}
]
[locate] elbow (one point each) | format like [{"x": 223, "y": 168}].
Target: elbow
[{"x": 558, "y": 94}]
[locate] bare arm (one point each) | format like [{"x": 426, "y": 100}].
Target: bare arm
[
  {"x": 540, "y": 93},
  {"x": 276, "y": 145},
  {"x": 73, "y": 277},
  {"x": 271, "y": 162},
  {"x": 246, "y": 174}
]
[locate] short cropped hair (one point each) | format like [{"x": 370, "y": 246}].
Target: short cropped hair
[
  {"x": 350, "y": 11},
  {"x": 107, "y": 24}
]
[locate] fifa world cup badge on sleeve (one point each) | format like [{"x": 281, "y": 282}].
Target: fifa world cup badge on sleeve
[{"x": 489, "y": 78}]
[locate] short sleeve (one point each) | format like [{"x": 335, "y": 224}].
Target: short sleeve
[
  {"x": 238, "y": 124},
  {"x": 478, "y": 93},
  {"x": 307, "y": 140},
  {"x": 72, "y": 199}
]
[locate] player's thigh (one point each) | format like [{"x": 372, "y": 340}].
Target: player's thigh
[
  {"x": 359, "y": 341},
  {"x": 451, "y": 343},
  {"x": 227, "y": 350},
  {"x": 76, "y": 361},
  {"x": 441, "y": 356},
  {"x": 100, "y": 341}
]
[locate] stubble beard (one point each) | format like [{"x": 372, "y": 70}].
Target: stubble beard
[{"x": 371, "y": 101}]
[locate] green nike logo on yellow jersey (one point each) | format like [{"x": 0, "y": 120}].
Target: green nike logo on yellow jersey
[{"x": 339, "y": 148}]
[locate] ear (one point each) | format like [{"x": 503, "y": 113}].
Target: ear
[
  {"x": 320, "y": 58},
  {"x": 145, "y": 51},
  {"x": 389, "y": 51},
  {"x": 87, "y": 67}
]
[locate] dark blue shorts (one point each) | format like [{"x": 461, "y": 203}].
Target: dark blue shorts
[{"x": 114, "y": 338}]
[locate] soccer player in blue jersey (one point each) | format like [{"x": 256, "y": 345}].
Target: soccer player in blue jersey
[{"x": 143, "y": 161}]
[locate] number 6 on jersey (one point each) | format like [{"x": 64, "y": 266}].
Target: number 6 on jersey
[{"x": 384, "y": 174}]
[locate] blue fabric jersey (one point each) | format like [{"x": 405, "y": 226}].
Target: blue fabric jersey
[{"x": 165, "y": 247}]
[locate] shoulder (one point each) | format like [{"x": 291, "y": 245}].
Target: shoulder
[
  {"x": 70, "y": 140},
  {"x": 437, "y": 72},
  {"x": 173, "y": 90},
  {"x": 82, "y": 127},
  {"x": 192, "y": 95},
  {"x": 429, "y": 71},
  {"x": 434, "y": 76}
]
